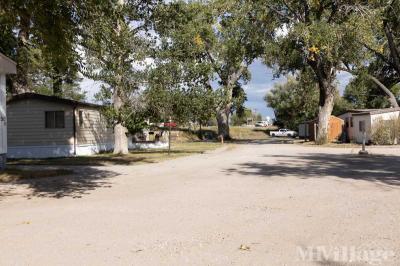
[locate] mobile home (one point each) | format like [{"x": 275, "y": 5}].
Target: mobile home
[
  {"x": 7, "y": 66},
  {"x": 41, "y": 126}
]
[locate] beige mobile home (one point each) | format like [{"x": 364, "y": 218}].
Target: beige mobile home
[
  {"x": 41, "y": 126},
  {"x": 7, "y": 66}
]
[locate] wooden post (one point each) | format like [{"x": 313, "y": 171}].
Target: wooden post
[
  {"x": 315, "y": 132},
  {"x": 169, "y": 136},
  {"x": 363, "y": 151}
]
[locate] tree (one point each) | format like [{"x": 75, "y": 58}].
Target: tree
[
  {"x": 294, "y": 101},
  {"x": 320, "y": 35},
  {"x": 242, "y": 117},
  {"x": 202, "y": 105},
  {"x": 115, "y": 43},
  {"x": 362, "y": 93},
  {"x": 41, "y": 36},
  {"x": 382, "y": 41},
  {"x": 212, "y": 40}
]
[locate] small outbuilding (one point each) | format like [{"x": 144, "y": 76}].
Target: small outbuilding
[
  {"x": 7, "y": 66},
  {"x": 309, "y": 129}
]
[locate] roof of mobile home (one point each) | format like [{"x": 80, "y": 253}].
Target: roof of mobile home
[
  {"x": 36, "y": 96},
  {"x": 378, "y": 111},
  {"x": 7, "y": 66}
]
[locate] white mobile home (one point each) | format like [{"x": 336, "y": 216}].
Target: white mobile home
[
  {"x": 356, "y": 121},
  {"x": 7, "y": 66}
]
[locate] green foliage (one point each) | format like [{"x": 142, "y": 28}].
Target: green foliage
[
  {"x": 206, "y": 41},
  {"x": 116, "y": 45},
  {"x": 322, "y": 36},
  {"x": 362, "y": 92},
  {"x": 294, "y": 101},
  {"x": 41, "y": 36},
  {"x": 241, "y": 118}
]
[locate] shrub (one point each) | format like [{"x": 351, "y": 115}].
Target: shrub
[{"x": 385, "y": 132}]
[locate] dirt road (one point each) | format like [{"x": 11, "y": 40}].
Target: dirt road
[{"x": 255, "y": 204}]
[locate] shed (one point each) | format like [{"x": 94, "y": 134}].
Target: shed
[
  {"x": 309, "y": 129},
  {"x": 7, "y": 66}
]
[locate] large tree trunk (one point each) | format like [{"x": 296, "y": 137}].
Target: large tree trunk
[
  {"x": 223, "y": 124},
  {"x": 120, "y": 132},
  {"x": 326, "y": 102},
  {"x": 20, "y": 80},
  {"x": 120, "y": 137}
]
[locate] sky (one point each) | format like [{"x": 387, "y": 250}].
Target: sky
[{"x": 262, "y": 81}]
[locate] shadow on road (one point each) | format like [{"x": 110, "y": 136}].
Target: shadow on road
[
  {"x": 81, "y": 183},
  {"x": 374, "y": 168}
]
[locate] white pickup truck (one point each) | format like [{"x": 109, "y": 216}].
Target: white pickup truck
[{"x": 283, "y": 133}]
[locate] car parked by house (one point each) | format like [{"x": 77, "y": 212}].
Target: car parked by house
[
  {"x": 261, "y": 124},
  {"x": 283, "y": 132}
]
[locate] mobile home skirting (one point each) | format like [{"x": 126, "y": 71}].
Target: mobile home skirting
[{"x": 54, "y": 151}]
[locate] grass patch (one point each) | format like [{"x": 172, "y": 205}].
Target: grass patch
[
  {"x": 236, "y": 132},
  {"x": 134, "y": 157},
  {"x": 12, "y": 174}
]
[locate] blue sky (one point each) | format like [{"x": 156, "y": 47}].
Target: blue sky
[{"x": 262, "y": 81}]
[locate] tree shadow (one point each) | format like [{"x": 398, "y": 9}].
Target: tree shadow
[
  {"x": 384, "y": 169},
  {"x": 81, "y": 183},
  {"x": 326, "y": 262}
]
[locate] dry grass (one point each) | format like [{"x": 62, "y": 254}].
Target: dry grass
[
  {"x": 134, "y": 157},
  {"x": 13, "y": 174},
  {"x": 236, "y": 132},
  {"x": 249, "y": 133}
]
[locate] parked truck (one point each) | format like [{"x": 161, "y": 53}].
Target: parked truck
[{"x": 283, "y": 132}]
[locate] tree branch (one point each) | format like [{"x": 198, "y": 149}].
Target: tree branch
[
  {"x": 389, "y": 93},
  {"x": 393, "y": 49},
  {"x": 380, "y": 55},
  {"x": 283, "y": 15},
  {"x": 292, "y": 11}
]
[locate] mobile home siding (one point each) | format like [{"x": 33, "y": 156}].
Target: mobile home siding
[
  {"x": 26, "y": 124},
  {"x": 93, "y": 129}
]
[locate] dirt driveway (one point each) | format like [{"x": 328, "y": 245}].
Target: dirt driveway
[{"x": 256, "y": 204}]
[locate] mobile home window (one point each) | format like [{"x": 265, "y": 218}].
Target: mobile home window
[
  {"x": 54, "y": 119},
  {"x": 351, "y": 122}
]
